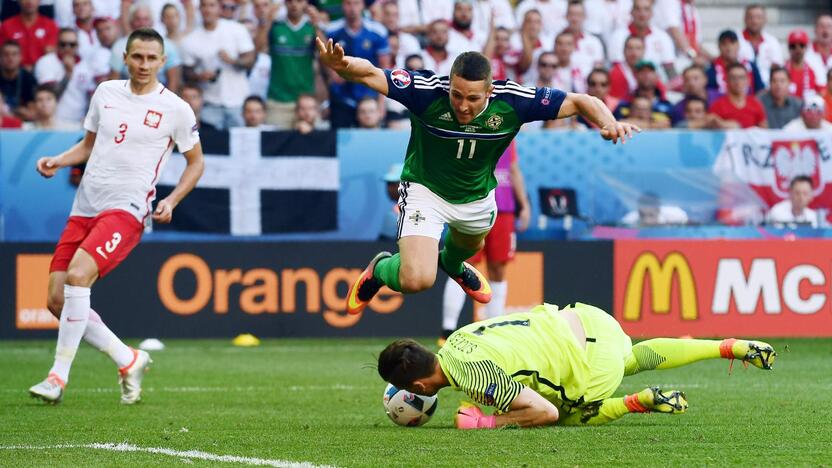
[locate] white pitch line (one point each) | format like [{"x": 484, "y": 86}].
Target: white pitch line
[{"x": 189, "y": 454}]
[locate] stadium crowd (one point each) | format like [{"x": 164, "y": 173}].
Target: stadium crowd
[{"x": 252, "y": 62}]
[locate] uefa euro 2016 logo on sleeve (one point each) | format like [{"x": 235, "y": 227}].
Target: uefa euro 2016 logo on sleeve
[
  {"x": 489, "y": 394},
  {"x": 400, "y": 78}
]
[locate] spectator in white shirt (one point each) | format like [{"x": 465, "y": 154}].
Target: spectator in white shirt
[
  {"x": 819, "y": 54},
  {"x": 436, "y": 55},
  {"x": 171, "y": 19},
  {"x": 603, "y": 17},
  {"x": 408, "y": 44},
  {"x": 461, "y": 37},
  {"x": 658, "y": 47},
  {"x": 84, "y": 26},
  {"x": 528, "y": 44},
  {"x": 46, "y": 103},
  {"x": 680, "y": 19},
  {"x": 140, "y": 16},
  {"x": 795, "y": 209},
  {"x": 759, "y": 46},
  {"x": 499, "y": 12},
  {"x": 651, "y": 212},
  {"x": 65, "y": 17},
  {"x": 570, "y": 76},
  {"x": 552, "y": 11},
  {"x": 73, "y": 78},
  {"x": 811, "y": 117},
  {"x": 587, "y": 46},
  {"x": 415, "y": 16},
  {"x": 308, "y": 114},
  {"x": 217, "y": 56}
]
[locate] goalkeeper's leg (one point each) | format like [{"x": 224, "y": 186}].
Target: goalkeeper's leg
[
  {"x": 667, "y": 353},
  {"x": 610, "y": 409}
]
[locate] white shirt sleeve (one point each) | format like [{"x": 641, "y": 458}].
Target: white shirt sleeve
[
  {"x": 503, "y": 14},
  {"x": 186, "y": 133},
  {"x": 48, "y": 69},
  {"x": 668, "y": 48},
  {"x": 93, "y": 114},
  {"x": 616, "y": 49},
  {"x": 667, "y": 14},
  {"x": 188, "y": 58},
  {"x": 243, "y": 38}
]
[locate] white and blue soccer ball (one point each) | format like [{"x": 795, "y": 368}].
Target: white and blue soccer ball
[{"x": 408, "y": 409}]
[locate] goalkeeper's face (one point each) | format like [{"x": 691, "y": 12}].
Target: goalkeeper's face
[{"x": 469, "y": 98}]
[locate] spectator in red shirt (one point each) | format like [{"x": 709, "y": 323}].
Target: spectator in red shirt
[
  {"x": 622, "y": 74},
  {"x": 737, "y": 109},
  {"x": 37, "y": 35},
  {"x": 804, "y": 82}
]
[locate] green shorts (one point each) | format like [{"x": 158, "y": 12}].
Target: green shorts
[{"x": 607, "y": 347}]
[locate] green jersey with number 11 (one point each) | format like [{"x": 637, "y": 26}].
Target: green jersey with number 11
[{"x": 456, "y": 161}]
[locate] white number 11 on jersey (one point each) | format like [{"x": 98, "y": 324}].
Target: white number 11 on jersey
[{"x": 470, "y": 152}]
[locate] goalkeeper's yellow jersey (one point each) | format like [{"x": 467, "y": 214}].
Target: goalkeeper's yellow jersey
[{"x": 493, "y": 359}]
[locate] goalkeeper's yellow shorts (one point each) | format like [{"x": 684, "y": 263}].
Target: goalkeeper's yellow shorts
[{"x": 607, "y": 347}]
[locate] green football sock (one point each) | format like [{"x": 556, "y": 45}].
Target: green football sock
[
  {"x": 451, "y": 256},
  {"x": 667, "y": 353},
  {"x": 387, "y": 271}
]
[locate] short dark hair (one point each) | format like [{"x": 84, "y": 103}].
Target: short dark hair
[
  {"x": 47, "y": 88},
  {"x": 695, "y": 67},
  {"x": 727, "y": 35},
  {"x": 801, "y": 178},
  {"x": 404, "y": 361},
  {"x": 690, "y": 99},
  {"x": 633, "y": 38},
  {"x": 778, "y": 69},
  {"x": 734, "y": 66},
  {"x": 10, "y": 43},
  {"x": 413, "y": 57},
  {"x": 67, "y": 30},
  {"x": 754, "y": 6},
  {"x": 598, "y": 70},
  {"x": 254, "y": 98},
  {"x": 191, "y": 85},
  {"x": 145, "y": 34},
  {"x": 472, "y": 66}
]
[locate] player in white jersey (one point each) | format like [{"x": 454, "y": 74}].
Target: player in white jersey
[{"x": 131, "y": 129}]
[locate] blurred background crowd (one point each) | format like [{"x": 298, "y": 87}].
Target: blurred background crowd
[{"x": 253, "y": 62}]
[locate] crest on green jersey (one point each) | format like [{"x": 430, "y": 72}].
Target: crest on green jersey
[{"x": 494, "y": 122}]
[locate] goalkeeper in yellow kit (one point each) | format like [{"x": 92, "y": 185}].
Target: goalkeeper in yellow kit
[{"x": 553, "y": 366}]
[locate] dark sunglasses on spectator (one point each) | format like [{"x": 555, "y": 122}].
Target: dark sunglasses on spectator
[
  {"x": 598, "y": 83},
  {"x": 796, "y": 45},
  {"x": 548, "y": 65},
  {"x": 67, "y": 44}
]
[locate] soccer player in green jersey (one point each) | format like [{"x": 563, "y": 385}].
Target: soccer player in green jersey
[
  {"x": 460, "y": 127},
  {"x": 552, "y": 365}
]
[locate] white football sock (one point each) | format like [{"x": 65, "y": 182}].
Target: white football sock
[
  {"x": 74, "y": 318},
  {"x": 453, "y": 299},
  {"x": 497, "y": 306},
  {"x": 103, "y": 339}
]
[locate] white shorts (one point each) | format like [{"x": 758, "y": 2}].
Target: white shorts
[{"x": 423, "y": 213}]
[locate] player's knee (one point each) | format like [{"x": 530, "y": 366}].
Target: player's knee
[
  {"x": 79, "y": 276},
  {"x": 414, "y": 280},
  {"x": 55, "y": 303}
]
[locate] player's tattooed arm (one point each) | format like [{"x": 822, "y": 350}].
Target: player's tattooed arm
[
  {"x": 78, "y": 154},
  {"x": 594, "y": 110},
  {"x": 353, "y": 69}
]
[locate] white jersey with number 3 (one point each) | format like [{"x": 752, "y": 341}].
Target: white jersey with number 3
[{"x": 135, "y": 134}]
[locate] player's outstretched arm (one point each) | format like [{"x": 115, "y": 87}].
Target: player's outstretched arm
[
  {"x": 528, "y": 409},
  {"x": 594, "y": 110},
  {"x": 190, "y": 176},
  {"x": 353, "y": 69},
  {"x": 79, "y": 153}
]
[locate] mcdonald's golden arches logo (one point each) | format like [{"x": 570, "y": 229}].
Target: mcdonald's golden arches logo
[{"x": 661, "y": 274}]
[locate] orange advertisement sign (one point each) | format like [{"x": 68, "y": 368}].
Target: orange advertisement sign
[
  {"x": 32, "y": 279},
  {"x": 524, "y": 275},
  {"x": 722, "y": 288}
]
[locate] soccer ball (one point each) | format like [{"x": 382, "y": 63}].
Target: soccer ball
[{"x": 408, "y": 409}]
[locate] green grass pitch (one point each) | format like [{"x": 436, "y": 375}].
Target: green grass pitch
[{"x": 319, "y": 402}]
